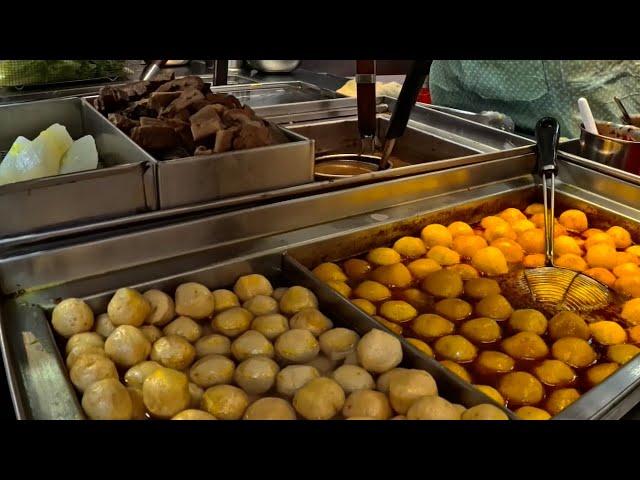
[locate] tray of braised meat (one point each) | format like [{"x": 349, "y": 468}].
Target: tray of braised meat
[{"x": 230, "y": 150}]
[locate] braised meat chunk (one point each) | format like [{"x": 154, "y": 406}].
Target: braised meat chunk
[{"x": 179, "y": 117}]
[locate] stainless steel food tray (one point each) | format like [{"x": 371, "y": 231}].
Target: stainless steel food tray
[
  {"x": 197, "y": 179},
  {"x": 470, "y": 137},
  {"x": 39, "y": 381},
  {"x": 125, "y": 186},
  {"x": 611, "y": 399},
  {"x": 415, "y": 147},
  {"x": 240, "y": 237}
]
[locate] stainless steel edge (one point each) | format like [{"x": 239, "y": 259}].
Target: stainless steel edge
[{"x": 153, "y": 244}]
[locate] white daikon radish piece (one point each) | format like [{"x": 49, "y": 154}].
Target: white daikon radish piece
[
  {"x": 8, "y": 170},
  {"x": 50, "y": 146},
  {"x": 82, "y": 155}
]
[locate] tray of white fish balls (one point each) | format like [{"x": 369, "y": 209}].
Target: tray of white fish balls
[
  {"x": 63, "y": 164},
  {"x": 249, "y": 352}
]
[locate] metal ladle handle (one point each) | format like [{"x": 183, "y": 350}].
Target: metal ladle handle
[
  {"x": 406, "y": 100},
  {"x": 547, "y": 137}
]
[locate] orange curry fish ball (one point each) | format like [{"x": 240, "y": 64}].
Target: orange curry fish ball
[
  {"x": 481, "y": 330},
  {"x": 499, "y": 231},
  {"x": 468, "y": 245},
  {"x": 417, "y": 298},
  {"x": 521, "y": 388},
  {"x": 466, "y": 271},
  {"x": 571, "y": 262},
  {"x": 329, "y": 271},
  {"x": 559, "y": 230},
  {"x": 568, "y": 324},
  {"x": 634, "y": 249},
  {"x": 598, "y": 373},
  {"x": 422, "y": 267},
  {"x": 606, "y": 332},
  {"x": 626, "y": 257},
  {"x": 602, "y": 275},
  {"x": 356, "y": 268},
  {"x": 511, "y": 250},
  {"x": 626, "y": 269},
  {"x": 621, "y": 354},
  {"x": 522, "y": 226},
  {"x": 443, "y": 283},
  {"x": 456, "y": 348},
  {"x": 628, "y": 286},
  {"x": 574, "y": 352},
  {"x": 554, "y": 373},
  {"x": 432, "y": 326},
  {"x": 534, "y": 208},
  {"x": 566, "y": 244},
  {"x": 601, "y": 255},
  {"x": 456, "y": 368},
  {"x": 443, "y": 255},
  {"x": 341, "y": 287},
  {"x": 525, "y": 346},
  {"x": 528, "y": 320},
  {"x": 534, "y": 260},
  {"x": 383, "y": 256},
  {"x": 532, "y": 241},
  {"x": 492, "y": 393},
  {"x": 561, "y": 399},
  {"x": 410, "y": 247},
  {"x": 459, "y": 228},
  {"x": 490, "y": 260},
  {"x": 396, "y": 275},
  {"x": 436, "y": 234},
  {"x": 453, "y": 309},
  {"x": 591, "y": 231},
  {"x": 634, "y": 334},
  {"x": 398, "y": 311},
  {"x": 631, "y": 312},
  {"x": 532, "y": 413},
  {"x": 574, "y": 220},
  {"x": 491, "y": 221},
  {"x": 422, "y": 346},
  {"x": 364, "y": 305},
  {"x": 537, "y": 220},
  {"x": 621, "y": 236},
  {"x": 478, "y": 288},
  {"x": 494, "y": 306},
  {"x": 394, "y": 327},
  {"x": 372, "y": 291},
  {"x": 491, "y": 362},
  {"x": 597, "y": 238},
  {"x": 512, "y": 215}
]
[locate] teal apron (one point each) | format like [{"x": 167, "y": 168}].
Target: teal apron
[{"x": 530, "y": 89}]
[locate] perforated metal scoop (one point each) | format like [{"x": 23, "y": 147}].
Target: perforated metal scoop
[{"x": 556, "y": 287}]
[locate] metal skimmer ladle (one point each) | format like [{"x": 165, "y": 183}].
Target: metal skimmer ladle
[{"x": 556, "y": 287}]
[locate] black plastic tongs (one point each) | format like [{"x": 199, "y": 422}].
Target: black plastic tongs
[{"x": 400, "y": 118}]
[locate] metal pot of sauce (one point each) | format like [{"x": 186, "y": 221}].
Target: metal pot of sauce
[{"x": 607, "y": 149}]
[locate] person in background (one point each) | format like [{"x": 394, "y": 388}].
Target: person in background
[{"x": 527, "y": 90}]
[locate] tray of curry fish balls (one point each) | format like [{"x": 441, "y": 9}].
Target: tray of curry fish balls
[
  {"x": 249, "y": 352},
  {"x": 449, "y": 290}
]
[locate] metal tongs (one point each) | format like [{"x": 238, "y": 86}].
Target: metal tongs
[
  {"x": 363, "y": 162},
  {"x": 366, "y": 100},
  {"x": 406, "y": 100},
  {"x": 556, "y": 287}
]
